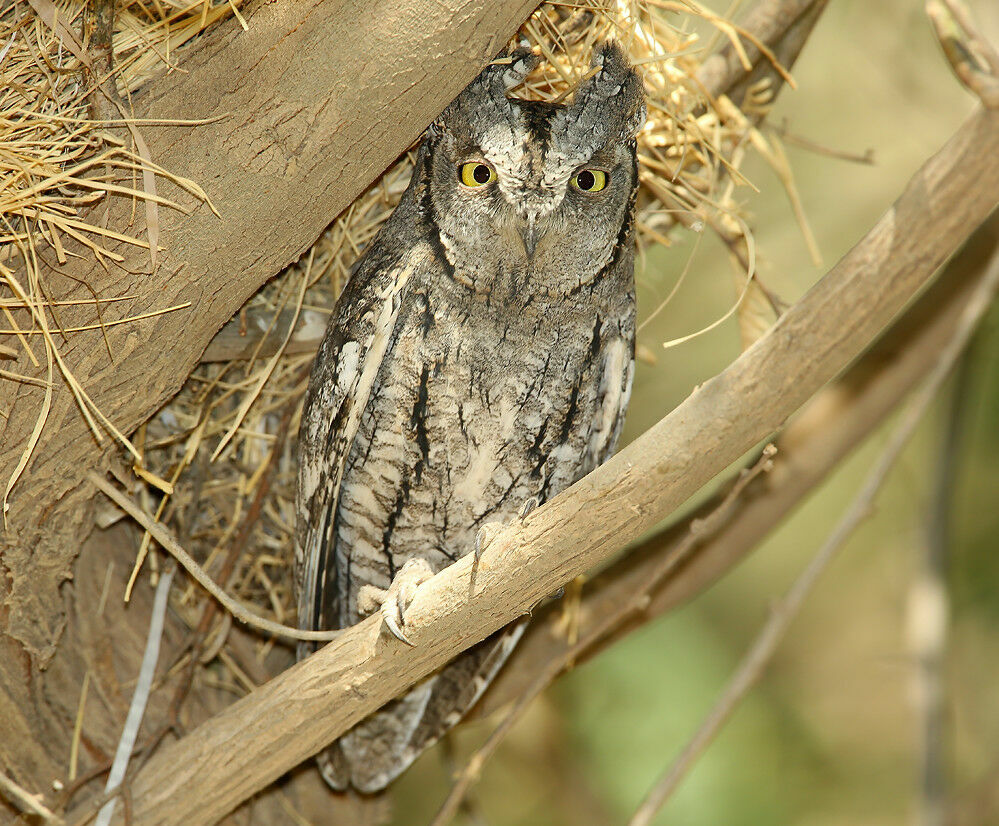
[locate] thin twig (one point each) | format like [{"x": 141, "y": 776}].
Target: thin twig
[
  {"x": 759, "y": 655},
  {"x": 866, "y": 158},
  {"x": 928, "y": 610},
  {"x": 224, "y": 572},
  {"x": 971, "y": 56},
  {"x": 167, "y": 541},
  {"x": 137, "y": 708},
  {"x": 25, "y": 800}
]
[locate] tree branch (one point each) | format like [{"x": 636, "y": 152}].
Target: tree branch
[
  {"x": 833, "y": 423},
  {"x": 631, "y": 604},
  {"x": 254, "y": 741},
  {"x": 317, "y": 98},
  {"x": 781, "y": 25}
]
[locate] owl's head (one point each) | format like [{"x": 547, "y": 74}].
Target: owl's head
[{"x": 538, "y": 188}]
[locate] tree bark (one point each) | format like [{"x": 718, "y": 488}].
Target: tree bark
[
  {"x": 314, "y": 101},
  {"x": 834, "y": 422},
  {"x": 254, "y": 741}
]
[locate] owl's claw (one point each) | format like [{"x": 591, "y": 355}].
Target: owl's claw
[
  {"x": 393, "y": 602},
  {"x": 530, "y": 504},
  {"x": 393, "y": 626},
  {"x": 485, "y": 535}
]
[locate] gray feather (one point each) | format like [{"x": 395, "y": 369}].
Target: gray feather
[{"x": 480, "y": 356}]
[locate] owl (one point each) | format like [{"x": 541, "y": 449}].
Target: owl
[{"x": 478, "y": 361}]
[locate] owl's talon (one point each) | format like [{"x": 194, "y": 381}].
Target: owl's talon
[
  {"x": 393, "y": 626},
  {"x": 393, "y": 602},
  {"x": 529, "y": 506}
]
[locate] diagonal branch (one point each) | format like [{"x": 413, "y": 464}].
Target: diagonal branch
[
  {"x": 243, "y": 749},
  {"x": 833, "y": 423},
  {"x": 303, "y": 111}
]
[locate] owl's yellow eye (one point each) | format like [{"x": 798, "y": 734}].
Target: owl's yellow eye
[
  {"x": 590, "y": 180},
  {"x": 477, "y": 173}
]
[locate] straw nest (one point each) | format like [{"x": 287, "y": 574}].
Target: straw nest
[{"x": 219, "y": 461}]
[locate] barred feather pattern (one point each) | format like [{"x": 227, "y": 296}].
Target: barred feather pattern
[{"x": 465, "y": 372}]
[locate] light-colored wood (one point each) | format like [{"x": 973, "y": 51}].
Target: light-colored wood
[
  {"x": 318, "y": 98},
  {"x": 201, "y": 777},
  {"x": 833, "y": 423}
]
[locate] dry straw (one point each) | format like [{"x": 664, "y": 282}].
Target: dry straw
[
  {"x": 57, "y": 158},
  {"x": 202, "y": 458}
]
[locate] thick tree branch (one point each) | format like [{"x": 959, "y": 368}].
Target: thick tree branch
[
  {"x": 833, "y": 423},
  {"x": 241, "y": 750},
  {"x": 317, "y": 98}
]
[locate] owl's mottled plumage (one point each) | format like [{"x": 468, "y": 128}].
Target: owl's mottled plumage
[{"x": 481, "y": 356}]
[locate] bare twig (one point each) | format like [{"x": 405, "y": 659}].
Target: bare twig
[
  {"x": 866, "y": 158},
  {"x": 26, "y": 801},
  {"x": 928, "y": 609},
  {"x": 166, "y": 539},
  {"x": 971, "y": 56},
  {"x": 137, "y": 708},
  {"x": 758, "y": 657}
]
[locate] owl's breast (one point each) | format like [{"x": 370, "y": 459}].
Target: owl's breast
[{"x": 470, "y": 418}]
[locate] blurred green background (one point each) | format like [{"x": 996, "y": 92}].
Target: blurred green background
[{"x": 831, "y": 735}]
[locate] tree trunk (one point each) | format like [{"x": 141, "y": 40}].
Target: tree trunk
[{"x": 313, "y": 102}]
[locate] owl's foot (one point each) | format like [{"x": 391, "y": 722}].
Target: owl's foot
[
  {"x": 393, "y": 602},
  {"x": 486, "y": 533}
]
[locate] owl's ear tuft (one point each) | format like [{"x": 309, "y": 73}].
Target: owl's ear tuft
[
  {"x": 614, "y": 93},
  {"x": 484, "y": 98},
  {"x": 506, "y": 72}
]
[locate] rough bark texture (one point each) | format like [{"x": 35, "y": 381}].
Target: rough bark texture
[
  {"x": 318, "y": 98},
  {"x": 254, "y": 741}
]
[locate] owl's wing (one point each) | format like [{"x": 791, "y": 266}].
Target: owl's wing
[
  {"x": 617, "y": 369},
  {"x": 343, "y": 375}
]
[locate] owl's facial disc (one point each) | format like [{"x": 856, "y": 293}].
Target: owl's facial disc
[
  {"x": 511, "y": 189},
  {"x": 533, "y": 195}
]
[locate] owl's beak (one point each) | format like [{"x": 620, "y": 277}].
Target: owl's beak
[{"x": 529, "y": 233}]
